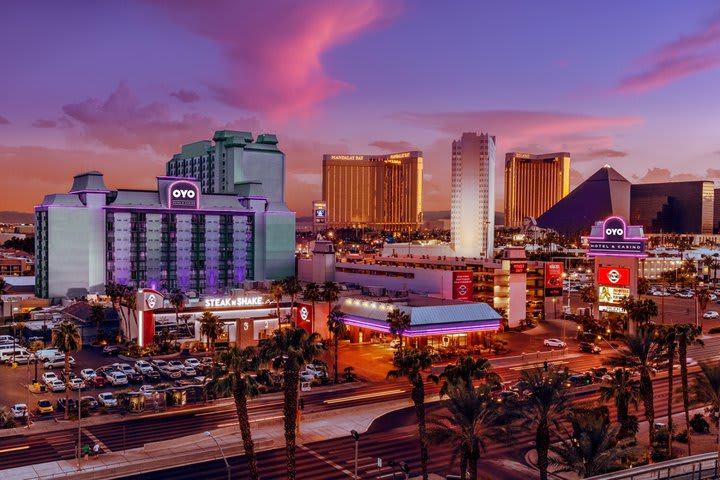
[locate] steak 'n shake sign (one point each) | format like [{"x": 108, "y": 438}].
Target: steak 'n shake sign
[
  {"x": 183, "y": 194},
  {"x": 615, "y": 240}
]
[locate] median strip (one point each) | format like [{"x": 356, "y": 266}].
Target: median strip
[{"x": 14, "y": 449}]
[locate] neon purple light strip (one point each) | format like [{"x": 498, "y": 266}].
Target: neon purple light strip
[
  {"x": 624, "y": 230},
  {"x": 164, "y": 209},
  {"x": 610, "y": 253},
  {"x": 474, "y": 326}
]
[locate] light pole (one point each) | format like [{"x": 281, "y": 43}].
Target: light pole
[
  {"x": 227, "y": 465},
  {"x": 356, "y": 436},
  {"x": 79, "y": 428}
]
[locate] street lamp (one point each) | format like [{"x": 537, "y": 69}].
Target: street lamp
[
  {"x": 227, "y": 465},
  {"x": 356, "y": 436}
]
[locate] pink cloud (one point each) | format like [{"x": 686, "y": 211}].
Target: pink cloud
[
  {"x": 688, "y": 55},
  {"x": 274, "y": 49},
  {"x": 4, "y": 121},
  {"x": 62, "y": 122},
  {"x": 185, "y": 96},
  {"x": 392, "y": 145},
  {"x": 122, "y": 121},
  {"x": 660, "y": 175},
  {"x": 605, "y": 153}
]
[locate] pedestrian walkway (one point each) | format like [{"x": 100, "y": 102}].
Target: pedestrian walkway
[{"x": 199, "y": 447}]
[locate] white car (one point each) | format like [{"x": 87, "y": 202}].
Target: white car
[
  {"x": 554, "y": 343},
  {"x": 711, "y": 314},
  {"x": 192, "y": 362},
  {"x": 116, "y": 378},
  {"x": 107, "y": 400},
  {"x": 148, "y": 390},
  {"x": 123, "y": 367},
  {"x": 76, "y": 383},
  {"x": 306, "y": 376},
  {"x": 188, "y": 371},
  {"x": 24, "y": 358},
  {"x": 19, "y": 410},
  {"x": 56, "y": 386},
  {"x": 143, "y": 367},
  {"x": 48, "y": 354},
  {"x": 58, "y": 362},
  {"x": 87, "y": 374},
  {"x": 314, "y": 369},
  {"x": 48, "y": 377},
  {"x": 659, "y": 293}
]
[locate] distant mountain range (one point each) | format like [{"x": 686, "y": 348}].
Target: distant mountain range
[{"x": 17, "y": 217}]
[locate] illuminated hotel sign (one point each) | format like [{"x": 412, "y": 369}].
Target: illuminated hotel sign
[
  {"x": 615, "y": 241},
  {"x": 347, "y": 157},
  {"x": 234, "y": 302},
  {"x": 396, "y": 156},
  {"x": 183, "y": 194}
]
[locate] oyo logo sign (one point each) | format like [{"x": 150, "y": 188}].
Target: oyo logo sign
[
  {"x": 151, "y": 301},
  {"x": 304, "y": 313},
  {"x": 183, "y": 195},
  {"x": 614, "y": 276},
  {"x": 614, "y": 229}
]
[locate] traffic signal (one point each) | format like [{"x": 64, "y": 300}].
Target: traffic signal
[
  {"x": 545, "y": 366},
  {"x": 302, "y": 404}
]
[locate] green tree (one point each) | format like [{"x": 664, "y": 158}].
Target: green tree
[
  {"x": 589, "y": 295},
  {"x": 706, "y": 390},
  {"x": 641, "y": 353},
  {"x": 399, "y": 322},
  {"x": 544, "y": 407},
  {"x": 668, "y": 337},
  {"x": 277, "y": 290},
  {"x": 330, "y": 293},
  {"x": 643, "y": 286},
  {"x": 337, "y": 327},
  {"x": 67, "y": 340},
  {"x": 242, "y": 386},
  {"x": 472, "y": 420},
  {"x": 412, "y": 364},
  {"x": 211, "y": 327},
  {"x": 624, "y": 391},
  {"x": 292, "y": 287},
  {"x": 464, "y": 372},
  {"x": 313, "y": 295},
  {"x": 290, "y": 350},
  {"x": 97, "y": 315},
  {"x": 177, "y": 299},
  {"x": 686, "y": 334},
  {"x": 639, "y": 311},
  {"x": 703, "y": 297}
]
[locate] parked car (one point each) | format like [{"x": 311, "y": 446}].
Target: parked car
[
  {"x": 306, "y": 376},
  {"x": 48, "y": 377},
  {"x": 24, "y": 358},
  {"x": 506, "y": 395},
  {"x": 520, "y": 387},
  {"x": 158, "y": 364},
  {"x": 554, "y": 343},
  {"x": 98, "y": 381},
  {"x": 47, "y": 354},
  {"x": 116, "y": 378},
  {"x": 711, "y": 314},
  {"x": 660, "y": 293},
  {"x": 192, "y": 362},
  {"x": 189, "y": 372},
  {"x": 148, "y": 390},
  {"x": 318, "y": 371},
  {"x": 123, "y": 367},
  {"x": 67, "y": 377},
  {"x": 71, "y": 402},
  {"x": 110, "y": 350},
  {"x": 170, "y": 372},
  {"x": 152, "y": 375},
  {"x": 143, "y": 367},
  {"x": 76, "y": 383},
  {"x": 44, "y": 407},
  {"x": 19, "y": 410},
  {"x": 589, "y": 347},
  {"x": 135, "y": 377},
  {"x": 176, "y": 364},
  {"x": 58, "y": 362},
  {"x": 107, "y": 399},
  {"x": 87, "y": 374},
  {"x": 90, "y": 402},
  {"x": 56, "y": 385}
]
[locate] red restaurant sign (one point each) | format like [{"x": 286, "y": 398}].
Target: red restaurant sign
[
  {"x": 612, "y": 276},
  {"x": 462, "y": 285},
  {"x": 553, "y": 279}
]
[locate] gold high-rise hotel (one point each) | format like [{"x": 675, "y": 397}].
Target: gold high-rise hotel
[
  {"x": 533, "y": 184},
  {"x": 375, "y": 191}
]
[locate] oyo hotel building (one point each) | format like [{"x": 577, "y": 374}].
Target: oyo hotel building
[
  {"x": 374, "y": 191},
  {"x": 533, "y": 184},
  {"x": 172, "y": 237}
]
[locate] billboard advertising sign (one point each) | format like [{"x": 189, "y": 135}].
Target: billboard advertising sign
[
  {"x": 553, "y": 279},
  {"x": 462, "y": 285},
  {"x": 613, "y": 295},
  {"x": 518, "y": 267},
  {"x": 615, "y": 241},
  {"x": 614, "y": 276},
  {"x": 183, "y": 194}
]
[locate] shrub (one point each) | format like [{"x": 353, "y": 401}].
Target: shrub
[
  {"x": 699, "y": 424},
  {"x": 349, "y": 375},
  {"x": 681, "y": 437},
  {"x": 714, "y": 330}
]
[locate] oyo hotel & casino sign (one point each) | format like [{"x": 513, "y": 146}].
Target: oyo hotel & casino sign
[{"x": 615, "y": 241}]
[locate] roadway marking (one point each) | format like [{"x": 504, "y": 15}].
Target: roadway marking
[
  {"x": 363, "y": 396},
  {"x": 233, "y": 424},
  {"x": 328, "y": 461},
  {"x": 14, "y": 449},
  {"x": 536, "y": 365},
  {"x": 96, "y": 440}
]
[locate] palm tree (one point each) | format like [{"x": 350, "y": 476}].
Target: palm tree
[
  {"x": 277, "y": 290},
  {"x": 116, "y": 293},
  {"x": 330, "y": 293},
  {"x": 177, "y": 300},
  {"x": 399, "y": 322},
  {"x": 412, "y": 364},
  {"x": 292, "y": 286},
  {"x": 706, "y": 389},
  {"x": 3, "y": 290},
  {"x": 625, "y": 392},
  {"x": 544, "y": 407},
  {"x": 686, "y": 334},
  {"x": 641, "y": 353},
  {"x": 97, "y": 315},
  {"x": 241, "y": 386},
  {"x": 592, "y": 448},
  {"x": 337, "y": 327},
  {"x": 668, "y": 337},
  {"x": 211, "y": 327},
  {"x": 130, "y": 299},
  {"x": 639, "y": 311},
  {"x": 67, "y": 339},
  {"x": 589, "y": 295},
  {"x": 703, "y": 297},
  {"x": 472, "y": 420},
  {"x": 291, "y": 349},
  {"x": 643, "y": 286},
  {"x": 312, "y": 294},
  {"x": 465, "y": 370}
]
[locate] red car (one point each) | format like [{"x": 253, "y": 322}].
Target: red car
[{"x": 98, "y": 381}]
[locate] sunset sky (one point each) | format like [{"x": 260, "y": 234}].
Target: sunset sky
[{"x": 119, "y": 86}]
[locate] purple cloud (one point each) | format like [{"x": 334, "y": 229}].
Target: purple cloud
[
  {"x": 392, "y": 145},
  {"x": 4, "y": 121},
  {"x": 186, "y": 96}
]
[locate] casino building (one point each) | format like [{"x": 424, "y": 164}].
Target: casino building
[{"x": 172, "y": 237}]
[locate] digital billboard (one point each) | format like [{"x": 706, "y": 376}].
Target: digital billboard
[
  {"x": 554, "y": 279},
  {"x": 614, "y": 276},
  {"x": 462, "y": 285}
]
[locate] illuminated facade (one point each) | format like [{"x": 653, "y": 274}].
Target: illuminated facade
[
  {"x": 376, "y": 191},
  {"x": 533, "y": 184},
  {"x": 472, "y": 214}
]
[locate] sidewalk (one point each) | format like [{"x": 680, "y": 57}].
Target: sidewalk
[{"x": 198, "y": 447}]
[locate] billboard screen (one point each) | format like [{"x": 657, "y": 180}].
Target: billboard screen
[
  {"x": 462, "y": 288},
  {"x": 518, "y": 267},
  {"x": 614, "y": 276},
  {"x": 554, "y": 279},
  {"x": 613, "y": 295}
]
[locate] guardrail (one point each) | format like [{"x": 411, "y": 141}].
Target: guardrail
[{"x": 697, "y": 467}]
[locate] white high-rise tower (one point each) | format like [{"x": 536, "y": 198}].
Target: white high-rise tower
[{"x": 473, "y": 195}]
